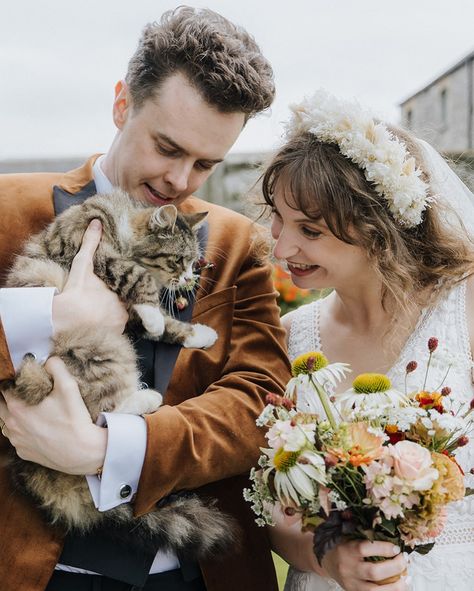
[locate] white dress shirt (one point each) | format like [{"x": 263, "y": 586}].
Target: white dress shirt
[{"x": 30, "y": 332}]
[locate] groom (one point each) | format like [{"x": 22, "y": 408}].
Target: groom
[{"x": 191, "y": 86}]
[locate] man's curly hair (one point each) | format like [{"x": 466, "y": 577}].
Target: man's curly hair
[{"x": 221, "y": 60}]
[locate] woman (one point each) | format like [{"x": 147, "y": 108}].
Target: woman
[{"x": 372, "y": 213}]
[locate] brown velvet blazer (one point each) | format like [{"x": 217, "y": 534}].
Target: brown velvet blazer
[{"x": 205, "y": 437}]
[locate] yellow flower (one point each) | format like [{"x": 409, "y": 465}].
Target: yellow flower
[
  {"x": 370, "y": 390},
  {"x": 450, "y": 484},
  {"x": 308, "y": 363},
  {"x": 284, "y": 460},
  {"x": 369, "y": 383}
]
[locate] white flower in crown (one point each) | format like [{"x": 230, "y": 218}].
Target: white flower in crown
[{"x": 369, "y": 144}]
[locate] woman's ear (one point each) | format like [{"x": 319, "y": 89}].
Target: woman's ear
[{"x": 122, "y": 104}]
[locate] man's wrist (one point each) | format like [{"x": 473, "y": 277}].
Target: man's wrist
[{"x": 94, "y": 448}]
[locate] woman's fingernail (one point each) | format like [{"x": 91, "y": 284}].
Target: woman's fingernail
[
  {"x": 396, "y": 550},
  {"x": 95, "y": 225}
]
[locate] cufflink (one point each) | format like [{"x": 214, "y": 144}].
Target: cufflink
[{"x": 125, "y": 491}]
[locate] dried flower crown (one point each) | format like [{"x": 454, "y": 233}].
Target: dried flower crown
[{"x": 369, "y": 144}]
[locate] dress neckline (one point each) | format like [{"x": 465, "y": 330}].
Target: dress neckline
[{"x": 423, "y": 318}]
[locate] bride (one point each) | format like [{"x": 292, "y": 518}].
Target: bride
[{"x": 378, "y": 216}]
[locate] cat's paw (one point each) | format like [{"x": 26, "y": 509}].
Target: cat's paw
[
  {"x": 141, "y": 402},
  {"x": 152, "y": 319},
  {"x": 202, "y": 337}
]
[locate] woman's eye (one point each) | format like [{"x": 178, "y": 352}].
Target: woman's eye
[{"x": 310, "y": 233}]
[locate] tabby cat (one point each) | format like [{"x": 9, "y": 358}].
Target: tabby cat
[{"x": 142, "y": 250}]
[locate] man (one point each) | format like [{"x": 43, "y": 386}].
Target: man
[{"x": 192, "y": 84}]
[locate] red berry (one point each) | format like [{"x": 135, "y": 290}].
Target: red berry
[
  {"x": 287, "y": 403},
  {"x": 432, "y": 344},
  {"x": 462, "y": 441},
  {"x": 273, "y": 399},
  {"x": 411, "y": 366},
  {"x": 446, "y": 391}
]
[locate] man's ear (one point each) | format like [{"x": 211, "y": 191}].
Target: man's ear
[{"x": 122, "y": 104}]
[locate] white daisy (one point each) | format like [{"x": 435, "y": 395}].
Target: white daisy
[
  {"x": 296, "y": 475},
  {"x": 371, "y": 391}
]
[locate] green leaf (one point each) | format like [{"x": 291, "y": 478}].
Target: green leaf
[{"x": 424, "y": 548}]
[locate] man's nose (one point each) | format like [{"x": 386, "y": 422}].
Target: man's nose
[{"x": 177, "y": 175}]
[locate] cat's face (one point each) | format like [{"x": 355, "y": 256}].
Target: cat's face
[{"x": 168, "y": 247}]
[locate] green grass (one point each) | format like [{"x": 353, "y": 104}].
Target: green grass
[{"x": 281, "y": 568}]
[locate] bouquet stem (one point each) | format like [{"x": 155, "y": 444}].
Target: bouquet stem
[{"x": 323, "y": 397}]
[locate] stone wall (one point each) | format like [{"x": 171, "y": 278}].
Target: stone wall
[{"x": 442, "y": 112}]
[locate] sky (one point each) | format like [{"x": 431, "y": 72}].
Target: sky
[{"x": 60, "y": 59}]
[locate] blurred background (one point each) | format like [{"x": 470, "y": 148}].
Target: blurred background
[{"x": 411, "y": 61}]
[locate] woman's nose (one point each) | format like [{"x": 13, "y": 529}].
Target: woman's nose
[{"x": 285, "y": 247}]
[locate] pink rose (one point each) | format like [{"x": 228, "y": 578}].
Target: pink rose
[{"x": 413, "y": 463}]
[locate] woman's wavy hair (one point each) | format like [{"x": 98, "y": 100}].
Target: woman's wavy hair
[
  {"x": 415, "y": 265},
  {"x": 220, "y": 59}
]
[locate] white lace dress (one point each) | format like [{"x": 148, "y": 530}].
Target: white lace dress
[{"x": 450, "y": 565}]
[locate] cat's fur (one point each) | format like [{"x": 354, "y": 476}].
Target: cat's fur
[{"x": 142, "y": 250}]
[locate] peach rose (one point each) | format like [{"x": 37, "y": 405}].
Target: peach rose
[{"x": 413, "y": 463}]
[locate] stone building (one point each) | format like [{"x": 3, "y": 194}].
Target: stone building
[{"x": 443, "y": 111}]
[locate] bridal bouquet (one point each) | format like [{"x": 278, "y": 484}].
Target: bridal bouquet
[{"x": 379, "y": 465}]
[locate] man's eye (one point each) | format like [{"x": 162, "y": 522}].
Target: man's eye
[
  {"x": 165, "y": 151},
  {"x": 204, "y": 165}
]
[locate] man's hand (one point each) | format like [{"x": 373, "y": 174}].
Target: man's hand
[
  {"x": 57, "y": 433},
  {"x": 85, "y": 298}
]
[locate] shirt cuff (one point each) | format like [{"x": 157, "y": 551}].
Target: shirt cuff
[
  {"x": 126, "y": 447},
  {"x": 27, "y": 320}
]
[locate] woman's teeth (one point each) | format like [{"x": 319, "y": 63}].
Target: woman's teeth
[{"x": 300, "y": 266}]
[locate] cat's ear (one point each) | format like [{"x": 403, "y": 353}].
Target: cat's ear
[
  {"x": 164, "y": 217},
  {"x": 196, "y": 219}
]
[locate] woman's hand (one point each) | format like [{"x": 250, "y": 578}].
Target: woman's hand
[
  {"x": 58, "y": 432},
  {"x": 345, "y": 564},
  {"x": 85, "y": 298}
]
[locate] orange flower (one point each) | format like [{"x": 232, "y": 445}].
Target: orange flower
[
  {"x": 366, "y": 447},
  {"x": 429, "y": 400}
]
